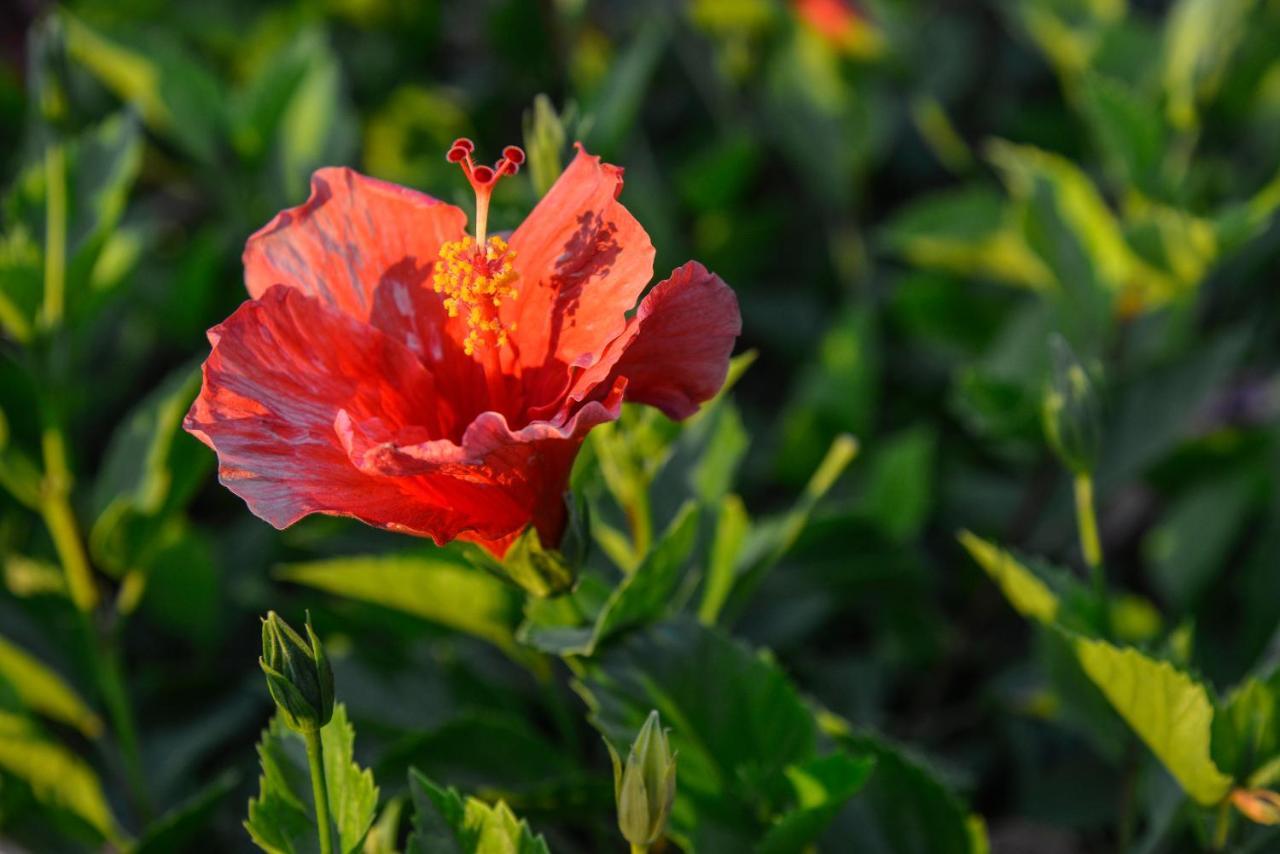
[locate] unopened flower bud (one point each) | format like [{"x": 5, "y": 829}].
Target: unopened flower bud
[
  {"x": 1071, "y": 416},
  {"x": 1261, "y": 806},
  {"x": 298, "y": 674},
  {"x": 645, "y": 787}
]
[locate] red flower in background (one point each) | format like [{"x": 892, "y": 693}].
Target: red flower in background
[
  {"x": 393, "y": 369},
  {"x": 843, "y": 25}
]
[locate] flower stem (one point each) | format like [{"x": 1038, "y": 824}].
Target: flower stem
[
  {"x": 319, "y": 791},
  {"x": 639, "y": 849},
  {"x": 1088, "y": 522},
  {"x": 1222, "y": 826},
  {"x": 55, "y": 240}
]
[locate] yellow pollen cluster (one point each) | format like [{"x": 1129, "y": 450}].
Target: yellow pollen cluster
[{"x": 474, "y": 284}]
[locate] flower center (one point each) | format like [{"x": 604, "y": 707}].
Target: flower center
[{"x": 475, "y": 276}]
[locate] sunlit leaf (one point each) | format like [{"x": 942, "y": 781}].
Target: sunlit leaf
[
  {"x": 45, "y": 692},
  {"x": 1168, "y": 710},
  {"x": 436, "y": 586},
  {"x": 1028, "y": 595},
  {"x": 57, "y": 777}
]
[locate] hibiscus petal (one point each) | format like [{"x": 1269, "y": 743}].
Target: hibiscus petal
[
  {"x": 583, "y": 260},
  {"x": 516, "y": 473},
  {"x": 674, "y": 353},
  {"x": 353, "y": 233},
  {"x": 282, "y": 368}
]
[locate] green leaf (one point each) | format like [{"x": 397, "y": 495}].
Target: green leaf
[
  {"x": 489, "y": 750},
  {"x": 836, "y": 394},
  {"x": 177, "y": 829},
  {"x": 900, "y": 483},
  {"x": 385, "y": 832},
  {"x": 317, "y": 125},
  {"x": 1168, "y": 710},
  {"x": 823, "y": 786},
  {"x": 102, "y": 164},
  {"x": 446, "y": 824},
  {"x": 1192, "y": 543},
  {"x": 1246, "y": 729},
  {"x": 437, "y": 586},
  {"x": 57, "y": 777},
  {"x": 1069, "y": 225},
  {"x": 150, "y": 471},
  {"x": 353, "y": 797},
  {"x": 617, "y": 103},
  {"x": 1127, "y": 127},
  {"x": 641, "y": 597},
  {"x": 909, "y": 804},
  {"x": 43, "y": 691},
  {"x": 178, "y": 97},
  {"x": 771, "y": 538},
  {"x": 736, "y": 724},
  {"x": 733, "y": 525},
  {"x": 282, "y": 817}
]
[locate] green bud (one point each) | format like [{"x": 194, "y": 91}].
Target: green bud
[
  {"x": 645, "y": 787},
  {"x": 47, "y": 72},
  {"x": 1070, "y": 410},
  {"x": 544, "y": 140},
  {"x": 298, "y": 674}
]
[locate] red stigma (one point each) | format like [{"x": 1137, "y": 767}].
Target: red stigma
[{"x": 482, "y": 178}]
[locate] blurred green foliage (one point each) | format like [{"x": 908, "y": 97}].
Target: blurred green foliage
[{"x": 911, "y": 200}]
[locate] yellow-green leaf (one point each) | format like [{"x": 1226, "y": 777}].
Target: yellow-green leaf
[
  {"x": 1167, "y": 709},
  {"x": 57, "y": 777},
  {"x": 434, "y": 588},
  {"x": 44, "y": 691},
  {"x": 1028, "y": 595}
]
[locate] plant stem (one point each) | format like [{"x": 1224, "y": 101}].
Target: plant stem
[
  {"x": 59, "y": 518},
  {"x": 1222, "y": 827},
  {"x": 55, "y": 508},
  {"x": 639, "y": 849},
  {"x": 1091, "y": 545},
  {"x": 55, "y": 500},
  {"x": 319, "y": 791},
  {"x": 1088, "y": 523},
  {"x": 55, "y": 238}
]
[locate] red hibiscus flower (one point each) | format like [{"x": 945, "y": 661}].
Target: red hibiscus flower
[{"x": 391, "y": 368}]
